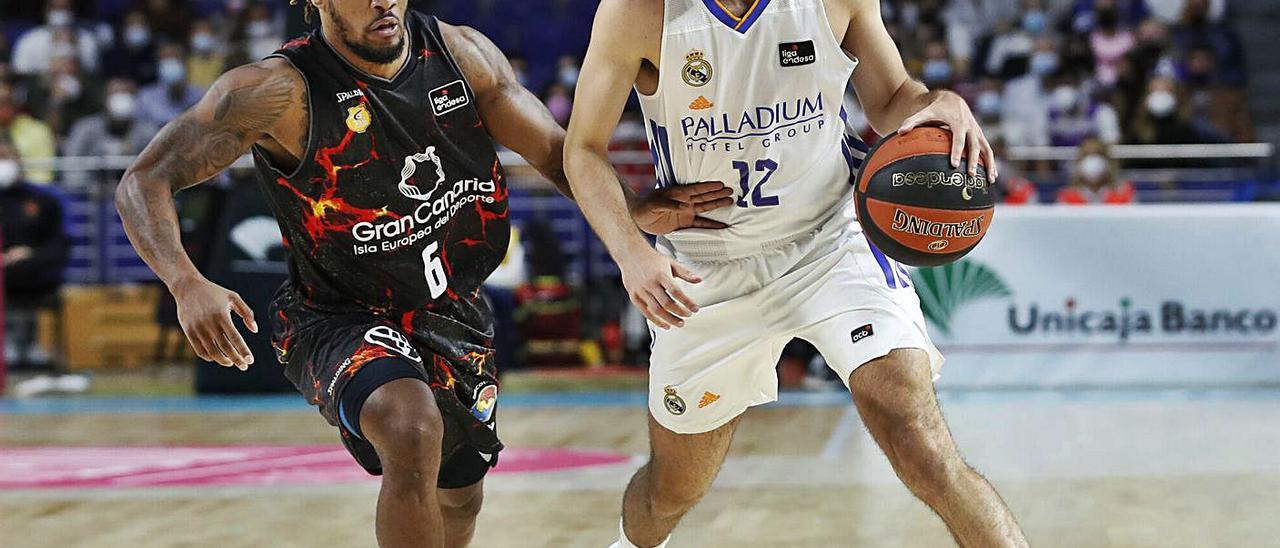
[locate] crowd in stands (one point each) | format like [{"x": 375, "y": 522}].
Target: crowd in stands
[{"x": 100, "y": 78}]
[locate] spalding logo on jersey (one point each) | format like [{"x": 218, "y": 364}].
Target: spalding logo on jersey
[{"x": 697, "y": 69}]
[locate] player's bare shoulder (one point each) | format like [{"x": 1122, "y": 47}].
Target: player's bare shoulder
[
  {"x": 633, "y": 25},
  {"x": 267, "y": 99},
  {"x": 480, "y": 60}
]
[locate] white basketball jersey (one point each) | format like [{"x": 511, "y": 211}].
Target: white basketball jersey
[{"x": 753, "y": 102}]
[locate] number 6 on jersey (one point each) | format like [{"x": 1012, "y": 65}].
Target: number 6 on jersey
[{"x": 437, "y": 281}]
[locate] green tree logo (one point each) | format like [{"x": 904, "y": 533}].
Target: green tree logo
[{"x": 944, "y": 288}]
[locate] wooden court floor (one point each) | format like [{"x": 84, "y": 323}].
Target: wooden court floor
[{"x": 1110, "y": 471}]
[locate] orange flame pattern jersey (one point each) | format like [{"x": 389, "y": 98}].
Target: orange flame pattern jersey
[
  {"x": 394, "y": 217},
  {"x": 399, "y": 205}
]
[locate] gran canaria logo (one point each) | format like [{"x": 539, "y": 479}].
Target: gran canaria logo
[
  {"x": 697, "y": 69},
  {"x": 967, "y": 184}
]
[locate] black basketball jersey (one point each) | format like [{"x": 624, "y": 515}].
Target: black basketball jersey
[{"x": 398, "y": 206}]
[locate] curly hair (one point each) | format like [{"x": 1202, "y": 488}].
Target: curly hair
[{"x": 307, "y": 9}]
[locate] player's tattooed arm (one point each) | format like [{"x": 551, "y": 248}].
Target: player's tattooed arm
[
  {"x": 514, "y": 116},
  {"x": 257, "y": 103}
]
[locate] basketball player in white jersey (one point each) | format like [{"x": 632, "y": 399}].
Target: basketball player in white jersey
[{"x": 748, "y": 92}]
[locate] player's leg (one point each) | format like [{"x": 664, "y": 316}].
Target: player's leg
[
  {"x": 460, "y": 508},
  {"x": 461, "y": 490},
  {"x": 681, "y": 468},
  {"x": 400, "y": 419},
  {"x": 895, "y": 397}
]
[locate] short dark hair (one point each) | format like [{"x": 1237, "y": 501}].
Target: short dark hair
[{"x": 307, "y": 9}]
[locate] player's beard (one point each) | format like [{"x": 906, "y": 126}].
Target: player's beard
[{"x": 365, "y": 52}]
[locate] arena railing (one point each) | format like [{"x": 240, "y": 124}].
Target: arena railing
[{"x": 101, "y": 253}]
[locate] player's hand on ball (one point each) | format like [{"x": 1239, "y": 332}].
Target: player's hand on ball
[
  {"x": 650, "y": 281},
  {"x": 667, "y": 210},
  {"x": 967, "y": 140},
  {"x": 204, "y": 311}
]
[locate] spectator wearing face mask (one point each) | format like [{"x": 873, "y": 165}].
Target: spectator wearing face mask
[
  {"x": 567, "y": 69},
  {"x": 1165, "y": 118},
  {"x": 1024, "y": 111},
  {"x": 1213, "y": 103},
  {"x": 172, "y": 93},
  {"x": 1013, "y": 43},
  {"x": 559, "y": 100},
  {"x": 116, "y": 131},
  {"x": 1095, "y": 179},
  {"x": 1084, "y": 13},
  {"x": 937, "y": 71},
  {"x": 1197, "y": 31},
  {"x": 1075, "y": 114},
  {"x": 1110, "y": 40},
  {"x": 208, "y": 58},
  {"x": 34, "y": 52},
  {"x": 133, "y": 54},
  {"x": 34, "y": 255},
  {"x": 29, "y": 137},
  {"x": 261, "y": 33},
  {"x": 64, "y": 95},
  {"x": 170, "y": 19}
]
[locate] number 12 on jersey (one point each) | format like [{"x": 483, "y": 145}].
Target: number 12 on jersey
[
  {"x": 756, "y": 194},
  {"x": 437, "y": 281}
]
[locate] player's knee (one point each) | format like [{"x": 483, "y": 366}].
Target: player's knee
[
  {"x": 924, "y": 457},
  {"x": 674, "y": 498},
  {"x": 402, "y": 422},
  {"x": 461, "y": 504}
]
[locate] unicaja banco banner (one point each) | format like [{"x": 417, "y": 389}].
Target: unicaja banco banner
[{"x": 1081, "y": 296}]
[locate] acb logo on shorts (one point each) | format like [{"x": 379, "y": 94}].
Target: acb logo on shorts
[{"x": 673, "y": 402}]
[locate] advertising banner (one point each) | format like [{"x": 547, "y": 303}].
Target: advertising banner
[{"x": 1156, "y": 295}]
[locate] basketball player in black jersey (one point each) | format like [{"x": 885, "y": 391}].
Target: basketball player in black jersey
[{"x": 374, "y": 141}]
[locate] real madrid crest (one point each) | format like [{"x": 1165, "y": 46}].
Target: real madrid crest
[
  {"x": 358, "y": 118},
  {"x": 673, "y": 402},
  {"x": 697, "y": 69}
]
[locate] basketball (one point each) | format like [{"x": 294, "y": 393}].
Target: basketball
[{"x": 914, "y": 206}]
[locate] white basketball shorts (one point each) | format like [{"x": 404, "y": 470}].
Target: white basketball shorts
[{"x": 830, "y": 288}]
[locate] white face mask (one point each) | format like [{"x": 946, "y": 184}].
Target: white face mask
[
  {"x": 259, "y": 29},
  {"x": 1064, "y": 97},
  {"x": 1161, "y": 103},
  {"x": 172, "y": 70},
  {"x": 203, "y": 42},
  {"x": 60, "y": 18},
  {"x": 121, "y": 105},
  {"x": 1093, "y": 167},
  {"x": 9, "y": 172}
]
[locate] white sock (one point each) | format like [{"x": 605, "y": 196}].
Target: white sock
[{"x": 624, "y": 542}]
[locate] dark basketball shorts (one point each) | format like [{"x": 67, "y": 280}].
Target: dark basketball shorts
[{"x": 338, "y": 360}]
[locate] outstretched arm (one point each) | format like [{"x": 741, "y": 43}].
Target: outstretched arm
[{"x": 244, "y": 106}]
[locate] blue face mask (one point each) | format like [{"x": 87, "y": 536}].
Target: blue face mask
[
  {"x": 1044, "y": 63},
  {"x": 989, "y": 104},
  {"x": 1034, "y": 22},
  {"x": 937, "y": 70},
  {"x": 171, "y": 71}
]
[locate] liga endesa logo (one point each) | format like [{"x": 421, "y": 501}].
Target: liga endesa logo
[{"x": 944, "y": 290}]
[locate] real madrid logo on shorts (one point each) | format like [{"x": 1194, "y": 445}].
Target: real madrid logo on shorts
[
  {"x": 358, "y": 118},
  {"x": 673, "y": 402},
  {"x": 697, "y": 69}
]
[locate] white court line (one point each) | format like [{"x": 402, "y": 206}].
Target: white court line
[{"x": 840, "y": 435}]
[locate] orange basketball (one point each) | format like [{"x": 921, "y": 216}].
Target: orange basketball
[{"x": 914, "y": 206}]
